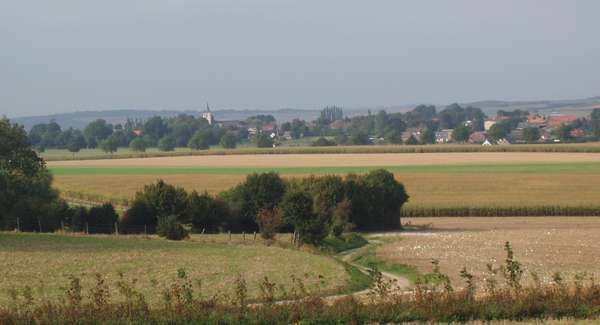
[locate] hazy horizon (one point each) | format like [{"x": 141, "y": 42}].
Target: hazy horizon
[{"x": 269, "y": 54}]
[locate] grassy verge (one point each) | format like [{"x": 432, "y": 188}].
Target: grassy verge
[
  {"x": 367, "y": 258},
  {"x": 344, "y": 243}
]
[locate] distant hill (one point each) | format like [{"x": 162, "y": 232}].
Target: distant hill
[{"x": 490, "y": 107}]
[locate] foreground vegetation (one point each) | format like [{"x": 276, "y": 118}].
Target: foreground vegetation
[{"x": 505, "y": 298}]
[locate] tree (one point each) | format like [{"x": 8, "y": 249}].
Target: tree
[
  {"x": 138, "y": 144},
  {"x": 269, "y": 221},
  {"x": 297, "y": 210},
  {"x": 97, "y": 131},
  {"x": 595, "y": 121},
  {"x": 393, "y": 136},
  {"x": 25, "y": 184},
  {"x": 563, "y": 132},
  {"x": 381, "y": 123},
  {"x": 166, "y": 143},
  {"x": 531, "y": 134},
  {"x": 204, "y": 212},
  {"x": 359, "y": 138},
  {"x": 499, "y": 130},
  {"x": 228, "y": 140},
  {"x": 330, "y": 114},
  {"x": 156, "y": 127},
  {"x": 200, "y": 140},
  {"x": 428, "y": 136},
  {"x": 259, "y": 191},
  {"x": 263, "y": 140},
  {"x": 461, "y": 133},
  {"x": 74, "y": 147},
  {"x": 101, "y": 219},
  {"x": 109, "y": 145},
  {"x": 341, "y": 218}
]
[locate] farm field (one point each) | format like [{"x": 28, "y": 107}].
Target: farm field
[
  {"x": 440, "y": 180},
  {"x": 543, "y": 244},
  {"x": 28, "y": 259},
  {"x": 302, "y": 146}
]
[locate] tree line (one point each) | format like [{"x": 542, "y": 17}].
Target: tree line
[{"x": 314, "y": 207}]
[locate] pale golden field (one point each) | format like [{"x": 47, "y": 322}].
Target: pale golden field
[
  {"x": 425, "y": 189},
  {"x": 322, "y": 160},
  {"x": 543, "y": 244}
]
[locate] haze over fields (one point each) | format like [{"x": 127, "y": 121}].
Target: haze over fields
[{"x": 266, "y": 54}]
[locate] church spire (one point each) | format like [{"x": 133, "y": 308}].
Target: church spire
[{"x": 207, "y": 107}]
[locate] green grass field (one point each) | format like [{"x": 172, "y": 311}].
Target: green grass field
[
  {"x": 32, "y": 259},
  {"x": 508, "y": 168}
]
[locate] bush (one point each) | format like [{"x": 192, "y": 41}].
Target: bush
[
  {"x": 323, "y": 142},
  {"x": 269, "y": 221},
  {"x": 138, "y": 217},
  {"x": 297, "y": 210},
  {"x": 340, "y": 222},
  {"x": 166, "y": 143},
  {"x": 169, "y": 228},
  {"x": 264, "y": 141},
  {"x": 101, "y": 219}
]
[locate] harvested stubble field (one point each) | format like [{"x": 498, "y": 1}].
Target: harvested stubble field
[
  {"x": 543, "y": 244},
  {"x": 440, "y": 180},
  {"x": 28, "y": 259}
]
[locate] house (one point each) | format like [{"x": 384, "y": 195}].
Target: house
[
  {"x": 138, "y": 132},
  {"x": 478, "y": 137},
  {"x": 559, "y": 119},
  {"x": 536, "y": 120},
  {"x": 416, "y": 132},
  {"x": 269, "y": 127},
  {"x": 443, "y": 136},
  {"x": 578, "y": 133},
  {"x": 486, "y": 143},
  {"x": 487, "y": 125}
]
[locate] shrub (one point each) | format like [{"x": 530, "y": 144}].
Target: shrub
[
  {"x": 138, "y": 144},
  {"x": 138, "y": 217},
  {"x": 269, "y": 221},
  {"x": 323, "y": 142},
  {"x": 101, "y": 219},
  {"x": 169, "y": 228},
  {"x": 264, "y": 141},
  {"x": 297, "y": 210},
  {"x": 341, "y": 218}
]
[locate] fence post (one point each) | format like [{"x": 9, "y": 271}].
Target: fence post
[
  {"x": 87, "y": 228},
  {"x": 243, "y": 235},
  {"x": 145, "y": 230},
  {"x": 40, "y": 224},
  {"x": 255, "y": 235},
  {"x": 18, "y": 224},
  {"x": 292, "y": 236},
  {"x": 229, "y": 235},
  {"x": 203, "y": 229},
  {"x": 62, "y": 226},
  {"x": 116, "y": 228}
]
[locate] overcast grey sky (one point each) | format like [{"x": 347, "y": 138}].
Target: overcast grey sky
[{"x": 67, "y": 55}]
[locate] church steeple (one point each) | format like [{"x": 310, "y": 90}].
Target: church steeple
[
  {"x": 208, "y": 115},
  {"x": 207, "y": 108}
]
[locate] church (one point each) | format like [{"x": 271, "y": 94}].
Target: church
[{"x": 208, "y": 115}]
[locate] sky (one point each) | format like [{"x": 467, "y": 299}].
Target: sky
[{"x": 73, "y": 55}]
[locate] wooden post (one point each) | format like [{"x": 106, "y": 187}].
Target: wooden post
[
  {"x": 145, "y": 230},
  {"x": 116, "y": 229},
  {"x": 62, "y": 226},
  {"x": 18, "y": 224},
  {"x": 243, "y": 235},
  {"x": 203, "y": 229},
  {"x": 255, "y": 235},
  {"x": 229, "y": 235},
  {"x": 87, "y": 228},
  {"x": 40, "y": 224}
]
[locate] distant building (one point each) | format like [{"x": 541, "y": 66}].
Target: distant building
[
  {"x": 416, "y": 132},
  {"x": 208, "y": 115},
  {"x": 559, "y": 119},
  {"x": 487, "y": 125},
  {"x": 478, "y": 137},
  {"x": 578, "y": 133},
  {"x": 537, "y": 120},
  {"x": 443, "y": 136}
]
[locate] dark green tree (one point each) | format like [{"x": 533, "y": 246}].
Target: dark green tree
[
  {"x": 499, "y": 130},
  {"x": 228, "y": 140},
  {"x": 461, "y": 133},
  {"x": 263, "y": 140},
  {"x": 97, "y": 131},
  {"x": 166, "y": 143},
  {"x": 428, "y": 136},
  {"x": 109, "y": 145},
  {"x": 200, "y": 140},
  {"x": 531, "y": 134},
  {"x": 138, "y": 144}
]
